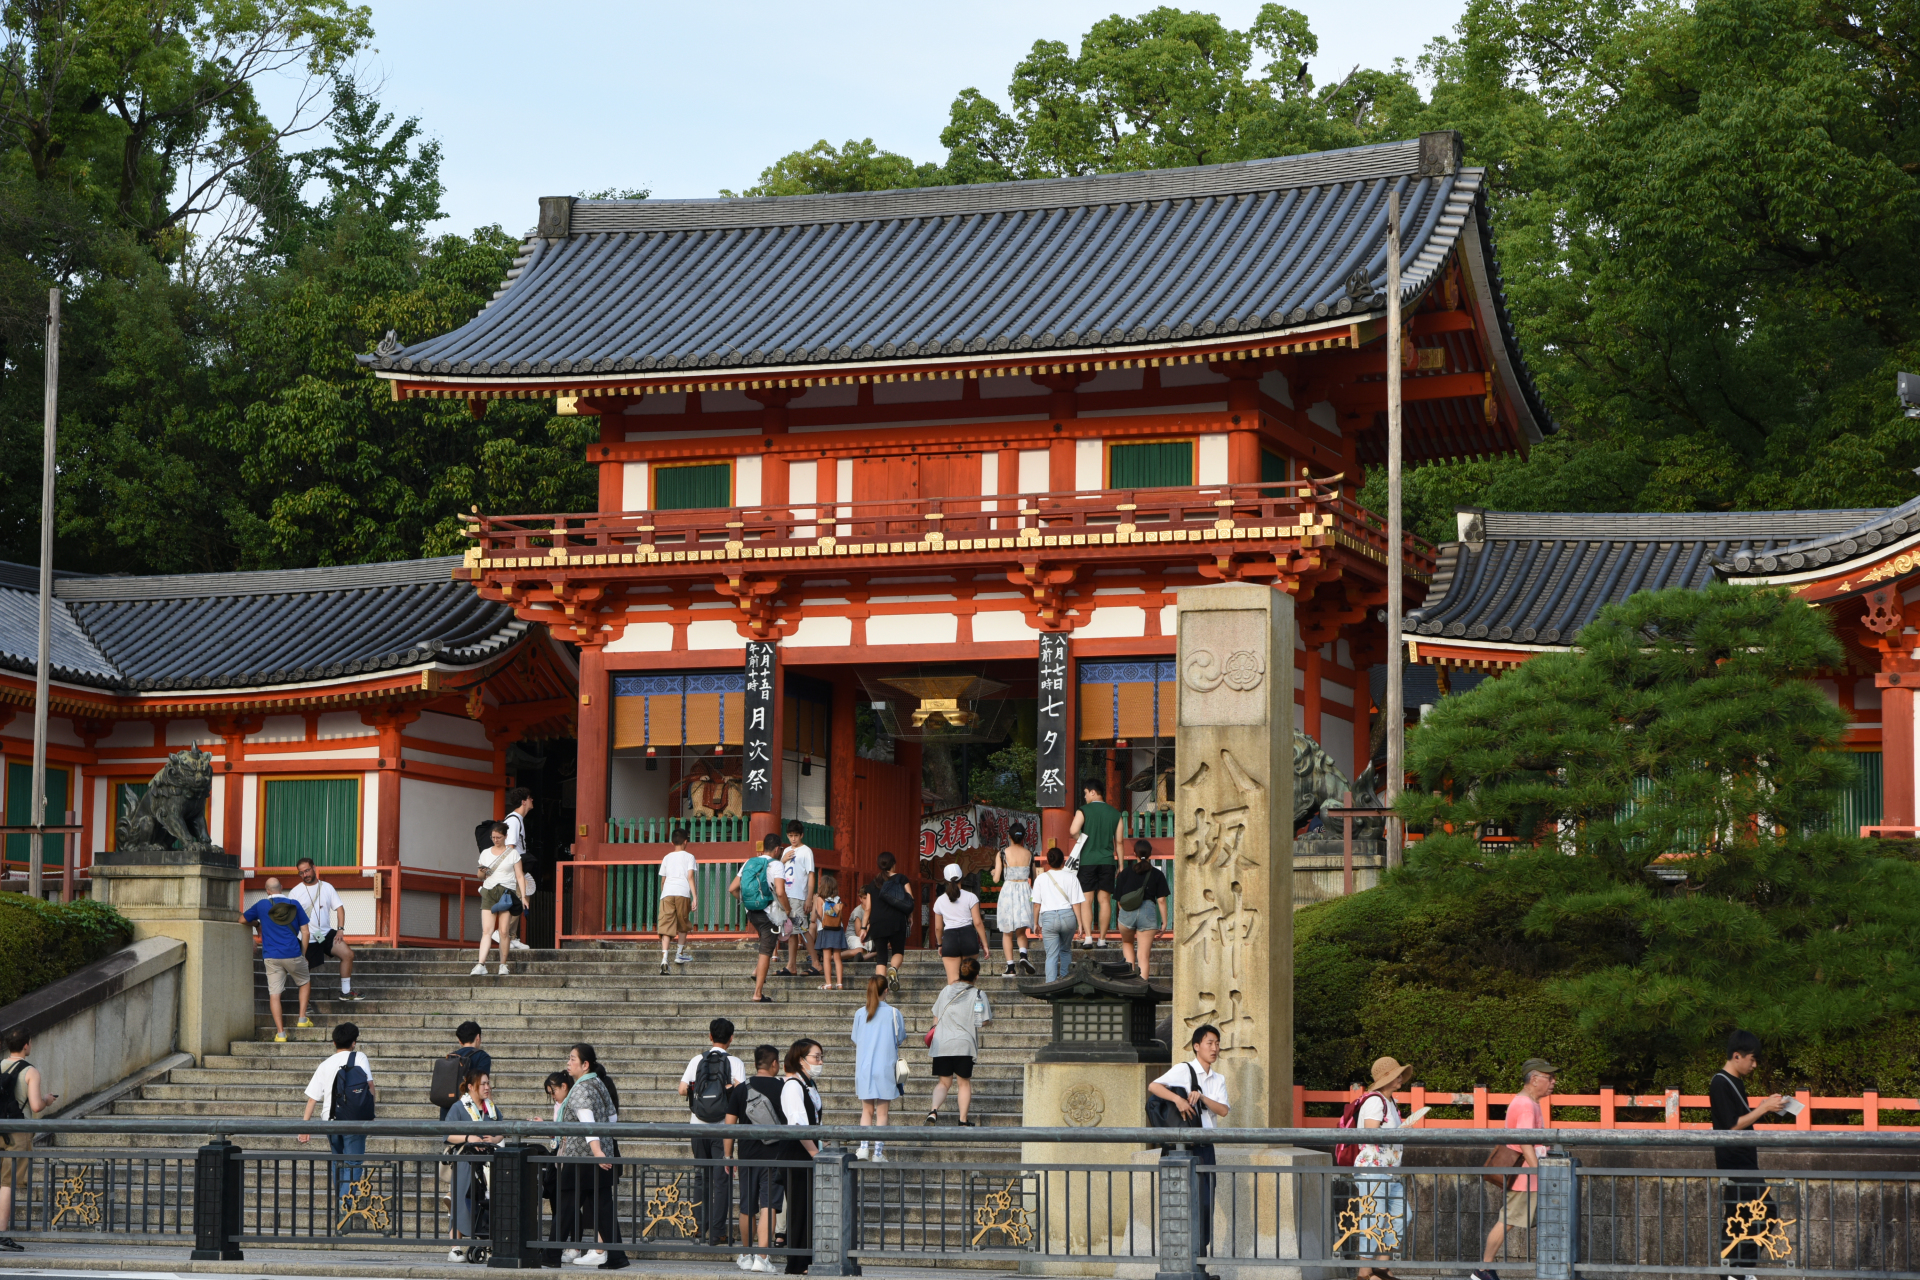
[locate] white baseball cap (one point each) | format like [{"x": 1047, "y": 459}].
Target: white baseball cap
[{"x": 953, "y": 871}]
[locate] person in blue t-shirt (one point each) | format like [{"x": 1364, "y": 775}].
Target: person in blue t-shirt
[{"x": 282, "y": 925}]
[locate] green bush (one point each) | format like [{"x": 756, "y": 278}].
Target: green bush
[{"x": 42, "y": 942}]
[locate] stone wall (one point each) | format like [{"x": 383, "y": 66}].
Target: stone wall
[{"x": 101, "y": 1024}]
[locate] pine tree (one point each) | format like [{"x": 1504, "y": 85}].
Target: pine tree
[{"x": 1673, "y": 784}]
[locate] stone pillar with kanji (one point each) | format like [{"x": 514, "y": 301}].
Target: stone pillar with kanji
[{"x": 1233, "y": 849}]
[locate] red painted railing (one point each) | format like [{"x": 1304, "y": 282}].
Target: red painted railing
[
  {"x": 1609, "y": 1104},
  {"x": 1316, "y": 512}
]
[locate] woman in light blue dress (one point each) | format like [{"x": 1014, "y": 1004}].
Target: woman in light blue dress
[{"x": 878, "y": 1030}]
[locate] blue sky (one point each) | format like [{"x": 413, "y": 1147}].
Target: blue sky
[{"x": 686, "y": 99}]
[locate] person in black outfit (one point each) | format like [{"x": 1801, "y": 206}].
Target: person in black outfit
[
  {"x": 1732, "y": 1110},
  {"x": 762, "y": 1190},
  {"x": 800, "y": 1105},
  {"x": 887, "y": 932}
]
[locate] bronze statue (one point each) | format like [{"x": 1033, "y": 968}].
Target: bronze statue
[{"x": 173, "y": 812}]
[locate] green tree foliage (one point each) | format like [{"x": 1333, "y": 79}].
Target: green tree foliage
[
  {"x": 857, "y": 166},
  {"x": 1677, "y": 875},
  {"x": 1007, "y": 779},
  {"x": 220, "y": 282}
]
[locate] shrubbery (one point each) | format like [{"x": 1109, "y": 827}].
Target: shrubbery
[
  {"x": 1677, "y": 777},
  {"x": 44, "y": 942}
]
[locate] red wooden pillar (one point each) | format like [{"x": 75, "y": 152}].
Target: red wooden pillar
[
  {"x": 1896, "y": 745},
  {"x": 1243, "y": 436},
  {"x": 612, "y": 472},
  {"x": 595, "y": 739}
]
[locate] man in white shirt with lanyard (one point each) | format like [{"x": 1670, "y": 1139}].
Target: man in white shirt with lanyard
[
  {"x": 519, "y": 805},
  {"x": 327, "y": 917},
  {"x": 1211, "y": 1099}
]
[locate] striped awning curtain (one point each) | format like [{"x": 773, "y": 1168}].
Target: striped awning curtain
[
  {"x": 1126, "y": 700},
  {"x": 701, "y": 709}
]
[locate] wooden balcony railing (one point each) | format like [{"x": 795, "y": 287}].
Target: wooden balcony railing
[{"x": 1313, "y": 513}]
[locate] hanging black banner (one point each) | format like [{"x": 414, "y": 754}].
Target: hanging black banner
[
  {"x": 1052, "y": 734},
  {"x": 756, "y": 780}
]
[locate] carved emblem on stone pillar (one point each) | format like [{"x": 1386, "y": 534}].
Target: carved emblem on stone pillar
[{"x": 1083, "y": 1106}]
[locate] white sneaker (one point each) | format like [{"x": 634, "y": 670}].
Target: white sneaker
[
  {"x": 476, "y": 971},
  {"x": 503, "y": 970},
  {"x": 456, "y": 1254},
  {"x": 879, "y": 1153},
  {"x": 520, "y": 946},
  {"x": 591, "y": 1258},
  {"x": 683, "y": 957},
  {"x": 863, "y": 1152},
  {"x": 763, "y": 1264},
  {"x": 744, "y": 1261},
  {"x": 568, "y": 1255}
]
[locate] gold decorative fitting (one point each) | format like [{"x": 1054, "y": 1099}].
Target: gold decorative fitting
[
  {"x": 557, "y": 553},
  {"x": 936, "y": 537},
  {"x": 826, "y": 544},
  {"x": 1224, "y": 526},
  {"x": 1124, "y": 531}
]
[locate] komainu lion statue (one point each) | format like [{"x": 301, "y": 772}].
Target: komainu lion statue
[
  {"x": 1318, "y": 784},
  {"x": 173, "y": 813}
]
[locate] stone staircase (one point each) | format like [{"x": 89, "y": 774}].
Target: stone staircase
[{"x": 643, "y": 1024}]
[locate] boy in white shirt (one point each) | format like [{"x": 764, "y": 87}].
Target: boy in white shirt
[
  {"x": 504, "y": 886},
  {"x": 1212, "y": 1102},
  {"x": 678, "y": 898},
  {"x": 346, "y": 1046},
  {"x": 799, "y": 873},
  {"x": 519, "y": 805}
]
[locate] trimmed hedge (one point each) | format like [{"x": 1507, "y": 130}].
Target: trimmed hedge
[{"x": 44, "y": 942}]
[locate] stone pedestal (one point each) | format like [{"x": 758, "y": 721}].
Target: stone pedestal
[
  {"x": 195, "y": 898},
  {"x": 1233, "y": 848},
  {"x": 1319, "y": 868},
  {"x": 1109, "y": 1212}
]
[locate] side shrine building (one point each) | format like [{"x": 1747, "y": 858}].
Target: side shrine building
[{"x": 896, "y": 487}]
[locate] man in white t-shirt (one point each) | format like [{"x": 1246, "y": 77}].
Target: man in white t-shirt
[
  {"x": 1211, "y": 1102},
  {"x": 346, "y": 1047},
  {"x": 678, "y": 898},
  {"x": 327, "y": 925},
  {"x": 799, "y": 874},
  {"x": 715, "y": 1179}
]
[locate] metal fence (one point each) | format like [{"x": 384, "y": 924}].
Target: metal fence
[{"x": 1010, "y": 1196}]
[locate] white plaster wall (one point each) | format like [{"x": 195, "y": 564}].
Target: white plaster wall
[
  {"x": 182, "y": 733},
  {"x": 643, "y": 637},
  {"x": 720, "y": 634},
  {"x": 280, "y": 729},
  {"x": 1336, "y": 735},
  {"x": 746, "y": 480},
  {"x": 331, "y": 753},
  {"x": 128, "y": 733},
  {"x": 436, "y": 823},
  {"x": 1275, "y": 385},
  {"x": 217, "y": 811},
  {"x": 1169, "y": 620},
  {"x": 60, "y": 730},
  {"x": 458, "y": 730},
  {"x": 444, "y": 761},
  {"x": 370, "y": 821},
  {"x": 1323, "y": 414},
  {"x": 913, "y": 628},
  {"x": 361, "y": 907},
  {"x": 998, "y": 625},
  {"x": 1210, "y": 462},
  {"x": 843, "y": 492},
  {"x": 633, "y": 485},
  {"x": 249, "y": 820},
  {"x": 830, "y": 633},
  {"x": 990, "y": 479},
  {"x": 916, "y": 392},
  {"x": 420, "y": 913},
  {"x": 1332, "y": 692},
  {"x": 803, "y": 489},
  {"x": 1006, "y": 388},
  {"x": 1089, "y": 464},
  {"x": 1034, "y": 471},
  {"x": 343, "y": 724},
  {"x": 1113, "y": 622},
  {"x": 1188, "y": 375}
]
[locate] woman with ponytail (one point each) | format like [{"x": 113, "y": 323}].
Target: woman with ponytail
[
  {"x": 878, "y": 1030},
  {"x": 957, "y": 924}
]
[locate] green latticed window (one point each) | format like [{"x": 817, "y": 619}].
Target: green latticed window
[
  {"x": 689, "y": 488},
  {"x": 1273, "y": 467},
  {"x": 20, "y": 813},
  {"x": 316, "y": 818},
  {"x": 1164, "y": 464}
]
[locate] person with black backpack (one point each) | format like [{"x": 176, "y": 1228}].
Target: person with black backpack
[
  {"x": 342, "y": 1088},
  {"x": 707, "y": 1084},
  {"x": 450, "y": 1073},
  {"x": 20, "y": 1099},
  {"x": 890, "y": 906},
  {"x": 762, "y": 1189},
  {"x": 1196, "y": 1089}
]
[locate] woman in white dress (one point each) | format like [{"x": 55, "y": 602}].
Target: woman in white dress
[{"x": 1013, "y": 913}]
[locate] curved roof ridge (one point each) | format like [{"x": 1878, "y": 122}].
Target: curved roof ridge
[
  {"x": 1378, "y": 160},
  {"x": 175, "y": 586}
]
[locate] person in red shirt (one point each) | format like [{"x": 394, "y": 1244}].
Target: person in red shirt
[{"x": 1537, "y": 1076}]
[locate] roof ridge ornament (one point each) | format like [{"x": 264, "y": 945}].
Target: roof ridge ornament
[
  {"x": 1360, "y": 288},
  {"x": 389, "y": 346}
]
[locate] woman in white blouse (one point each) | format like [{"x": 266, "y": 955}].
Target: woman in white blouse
[
  {"x": 1062, "y": 908},
  {"x": 958, "y": 928}
]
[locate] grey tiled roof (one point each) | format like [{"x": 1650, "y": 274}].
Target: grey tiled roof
[
  {"x": 610, "y": 287},
  {"x": 1876, "y": 529},
  {"x": 234, "y": 630},
  {"x": 1538, "y": 578}
]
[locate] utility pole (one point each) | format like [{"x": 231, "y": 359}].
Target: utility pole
[
  {"x": 1396, "y": 539},
  {"x": 40, "y": 671}
]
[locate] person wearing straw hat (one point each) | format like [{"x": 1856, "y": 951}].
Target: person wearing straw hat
[
  {"x": 1385, "y": 1189},
  {"x": 1536, "y": 1082}
]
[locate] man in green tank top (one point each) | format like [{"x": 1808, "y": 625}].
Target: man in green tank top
[{"x": 1102, "y": 824}]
